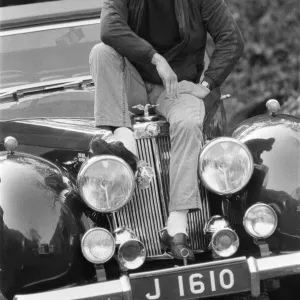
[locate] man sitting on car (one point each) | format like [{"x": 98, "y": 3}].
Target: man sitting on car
[{"x": 153, "y": 51}]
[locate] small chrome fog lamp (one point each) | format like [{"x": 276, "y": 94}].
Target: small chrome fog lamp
[
  {"x": 132, "y": 254},
  {"x": 215, "y": 223},
  {"x": 225, "y": 242},
  {"x": 98, "y": 245},
  {"x": 260, "y": 220}
]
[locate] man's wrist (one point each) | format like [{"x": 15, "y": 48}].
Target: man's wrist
[
  {"x": 156, "y": 59},
  {"x": 206, "y": 85}
]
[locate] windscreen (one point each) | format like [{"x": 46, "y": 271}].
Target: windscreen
[{"x": 54, "y": 52}]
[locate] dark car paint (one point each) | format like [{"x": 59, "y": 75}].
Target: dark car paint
[
  {"x": 274, "y": 142},
  {"x": 40, "y": 226}
]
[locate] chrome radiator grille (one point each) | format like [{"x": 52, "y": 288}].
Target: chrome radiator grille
[{"x": 147, "y": 212}]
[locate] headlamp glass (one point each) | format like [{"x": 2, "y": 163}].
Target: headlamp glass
[
  {"x": 106, "y": 183},
  {"x": 225, "y": 242},
  {"x": 132, "y": 254},
  {"x": 98, "y": 245},
  {"x": 225, "y": 165},
  {"x": 260, "y": 220}
]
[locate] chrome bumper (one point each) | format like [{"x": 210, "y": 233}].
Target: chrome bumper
[{"x": 260, "y": 269}]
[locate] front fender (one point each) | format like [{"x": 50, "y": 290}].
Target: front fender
[{"x": 40, "y": 234}]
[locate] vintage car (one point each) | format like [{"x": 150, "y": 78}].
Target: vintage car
[{"x": 73, "y": 222}]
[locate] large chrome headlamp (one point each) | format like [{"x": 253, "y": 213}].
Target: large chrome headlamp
[
  {"x": 225, "y": 165},
  {"x": 260, "y": 220},
  {"x": 106, "y": 183},
  {"x": 98, "y": 245}
]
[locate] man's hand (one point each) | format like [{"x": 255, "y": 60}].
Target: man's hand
[
  {"x": 167, "y": 75},
  {"x": 209, "y": 97},
  {"x": 197, "y": 90}
]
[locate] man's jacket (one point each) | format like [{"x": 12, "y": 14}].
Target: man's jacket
[{"x": 120, "y": 21}]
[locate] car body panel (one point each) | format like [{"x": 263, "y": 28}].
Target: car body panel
[
  {"x": 40, "y": 235},
  {"x": 41, "y": 213},
  {"x": 274, "y": 142}
]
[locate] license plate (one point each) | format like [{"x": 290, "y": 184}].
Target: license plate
[{"x": 193, "y": 281}]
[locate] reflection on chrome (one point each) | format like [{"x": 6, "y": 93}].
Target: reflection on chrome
[
  {"x": 144, "y": 175},
  {"x": 123, "y": 234},
  {"x": 225, "y": 242},
  {"x": 226, "y": 165},
  {"x": 132, "y": 254},
  {"x": 215, "y": 223},
  {"x": 10, "y": 144},
  {"x": 106, "y": 183}
]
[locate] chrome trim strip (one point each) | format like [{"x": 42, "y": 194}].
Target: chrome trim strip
[
  {"x": 189, "y": 267},
  {"x": 10, "y": 32},
  {"x": 255, "y": 281},
  {"x": 159, "y": 177},
  {"x": 164, "y": 256},
  {"x": 260, "y": 269},
  {"x": 279, "y": 265},
  {"x": 114, "y": 289},
  {"x": 45, "y": 85},
  {"x": 126, "y": 287}
]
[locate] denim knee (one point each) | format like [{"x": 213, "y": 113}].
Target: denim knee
[
  {"x": 103, "y": 54},
  {"x": 185, "y": 124}
]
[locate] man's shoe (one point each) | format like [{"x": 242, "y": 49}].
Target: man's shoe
[
  {"x": 100, "y": 147},
  {"x": 178, "y": 245},
  {"x": 144, "y": 173}
]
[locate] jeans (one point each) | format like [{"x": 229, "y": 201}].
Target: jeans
[{"x": 119, "y": 86}]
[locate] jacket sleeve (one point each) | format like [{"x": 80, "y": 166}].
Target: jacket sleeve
[
  {"x": 115, "y": 32},
  {"x": 229, "y": 44}
]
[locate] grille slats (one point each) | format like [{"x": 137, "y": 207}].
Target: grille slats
[{"x": 146, "y": 213}]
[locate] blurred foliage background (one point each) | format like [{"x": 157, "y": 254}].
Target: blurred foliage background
[{"x": 270, "y": 66}]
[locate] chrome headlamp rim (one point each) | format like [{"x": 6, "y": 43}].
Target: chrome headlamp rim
[
  {"x": 132, "y": 266},
  {"x": 89, "y": 232},
  {"x": 123, "y": 234},
  {"x": 214, "y": 236},
  {"x": 262, "y": 205},
  {"x": 215, "y": 223},
  {"x": 212, "y": 143},
  {"x": 87, "y": 164}
]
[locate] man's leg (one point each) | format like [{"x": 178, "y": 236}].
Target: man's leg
[
  {"x": 118, "y": 87},
  {"x": 185, "y": 116}
]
